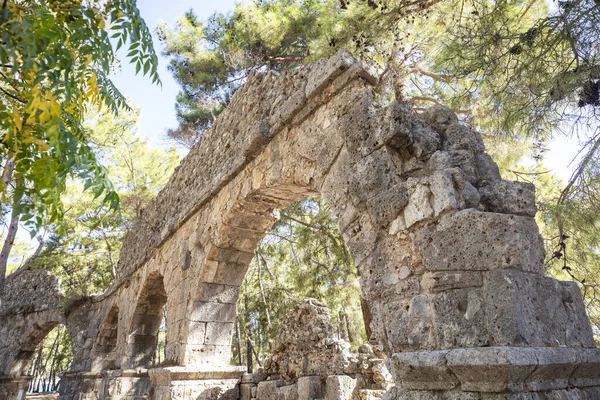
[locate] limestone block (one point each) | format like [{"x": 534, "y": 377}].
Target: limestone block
[
  {"x": 267, "y": 390},
  {"x": 197, "y": 332},
  {"x": 210, "y": 355},
  {"x": 445, "y": 194},
  {"x": 213, "y": 312},
  {"x": 508, "y": 197},
  {"x": 443, "y": 280},
  {"x": 473, "y": 240},
  {"x": 459, "y": 137},
  {"x": 470, "y": 195},
  {"x": 587, "y": 372},
  {"x": 419, "y": 206},
  {"x": 491, "y": 369},
  {"x": 527, "y": 309},
  {"x": 386, "y": 205},
  {"x": 408, "y": 324},
  {"x": 230, "y": 273},
  {"x": 360, "y": 236},
  {"x": 372, "y": 175},
  {"x": 318, "y": 146},
  {"x": 218, "y": 333},
  {"x": 323, "y": 73},
  {"x": 288, "y": 392},
  {"x": 487, "y": 169},
  {"x": 339, "y": 387},
  {"x": 424, "y": 370},
  {"x": 370, "y": 394},
  {"x": 462, "y": 159},
  {"x": 553, "y": 371},
  {"x": 459, "y": 318},
  {"x": 309, "y": 388},
  {"x": 358, "y": 125},
  {"x": 215, "y": 293},
  {"x": 389, "y": 267},
  {"x": 439, "y": 117},
  {"x": 407, "y": 134}
]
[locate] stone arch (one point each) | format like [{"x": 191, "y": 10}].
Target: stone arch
[
  {"x": 105, "y": 356},
  {"x": 143, "y": 331},
  {"x": 24, "y": 358}
]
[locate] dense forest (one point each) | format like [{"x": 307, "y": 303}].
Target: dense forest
[{"x": 76, "y": 172}]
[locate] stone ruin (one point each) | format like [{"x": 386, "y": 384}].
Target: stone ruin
[
  {"x": 449, "y": 255},
  {"x": 309, "y": 361}
]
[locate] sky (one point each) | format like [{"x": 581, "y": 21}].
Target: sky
[{"x": 157, "y": 103}]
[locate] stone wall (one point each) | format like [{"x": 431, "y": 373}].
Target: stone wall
[{"x": 449, "y": 254}]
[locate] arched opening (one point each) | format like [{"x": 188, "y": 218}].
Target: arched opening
[
  {"x": 149, "y": 315},
  {"x": 105, "y": 356},
  {"x": 303, "y": 255},
  {"x": 44, "y": 356},
  {"x": 213, "y": 320}
]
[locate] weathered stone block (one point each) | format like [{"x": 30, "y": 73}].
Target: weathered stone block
[
  {"x": 419, "y": 205},
  {"x": 309, "y": 388},
  {"x": 439, "y": 117},
  {"x": 408, "y": 324},
  {"x": 386, "y": 205},
  {"x": 267, "y": 390},
  {"x": 486, "y": 241},
  {"x": 444, "y": 280},
  {"x": 425, "y": 370},
  {"x": 459, "y": 137},
  {"x": 487, "y": 169},
  {"x": 339, "y": 387},
  {"x": 288, "y": 392},
  {"x": 526, "y": 309},
  {"x": 215, "y": 293},
  {"x": 445, "y": 194},
  {"x": 213, "y": 312},
  {"x": 323, "y": 73},
  {"x": 218, "y": 333},
  {"x": 587, "y": 372},
  {"x": 491, "y": 369},
  {"x": 459, "y": 318},
  {"x": 508, "y": 197}
]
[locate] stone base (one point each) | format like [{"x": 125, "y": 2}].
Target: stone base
[
  {"x": 129, "y": 384},
  {"x": 500, "y": 370},
  {"x": 12, "y": 387},
  {"x": 591, "y": 393},
  {"x": 182, "y": 383}
]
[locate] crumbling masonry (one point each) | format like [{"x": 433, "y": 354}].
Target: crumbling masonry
[{"x": 449, "y": 254}]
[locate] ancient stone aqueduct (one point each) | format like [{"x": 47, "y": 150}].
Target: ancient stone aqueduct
[{"x": 449, "y": 255}]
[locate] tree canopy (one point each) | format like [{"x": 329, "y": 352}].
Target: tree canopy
[{"x": 55, "y": 61}]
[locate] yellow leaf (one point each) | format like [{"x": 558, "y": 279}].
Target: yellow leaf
[
  {"x": 17, "y": 118},
  {"x": 29, "y": 139},
  {"x": 45, "y": 116},
  {"x": 42, "y": 146},
  {"x": 55, "y": 107}
]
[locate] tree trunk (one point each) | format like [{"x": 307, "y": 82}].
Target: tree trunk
[
  {"x": 367, "y": 317},
  {"x": 348, "y": 328},
  {"x": 13, "y": 227},
  {"x": 248, "y": 334},
  {"x": 342, "y": 326},
  {"x": 238, "y": 336}
]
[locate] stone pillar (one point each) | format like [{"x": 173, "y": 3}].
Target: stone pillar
[
  {"x": 14, "y": 387},
  {"x": 457, "y": 285}
]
